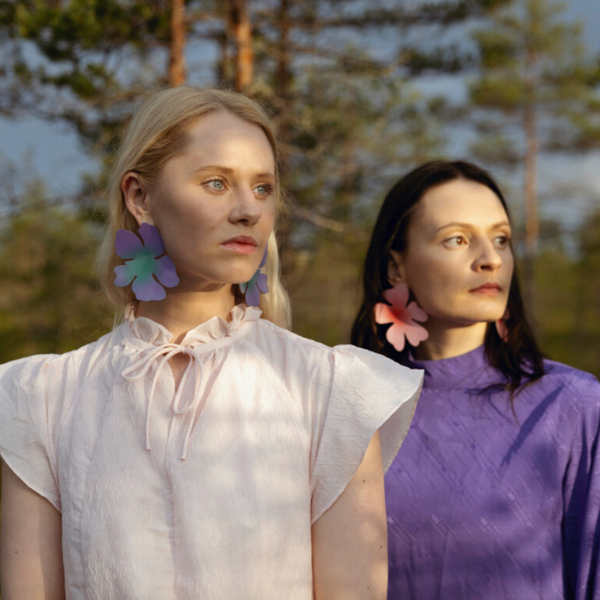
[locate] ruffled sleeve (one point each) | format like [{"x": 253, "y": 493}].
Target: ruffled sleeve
[
  {"x": 27, "y": 425},
  {"x": 367, "y": 392}
]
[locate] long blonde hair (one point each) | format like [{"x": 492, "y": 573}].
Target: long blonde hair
[{"x": 157, "y": 133}]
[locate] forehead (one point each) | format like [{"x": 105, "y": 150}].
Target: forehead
[
  {"x": 227, "y": 140},
  {"x": 460, "y": 200}
]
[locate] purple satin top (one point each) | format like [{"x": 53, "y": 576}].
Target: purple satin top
[{"x": 485, "y": 506}]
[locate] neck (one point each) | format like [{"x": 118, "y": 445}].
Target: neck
[
  {"x": 447, "y": 340},
  {"x": 183, "y": 310}
]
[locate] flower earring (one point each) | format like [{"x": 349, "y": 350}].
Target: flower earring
[
  {"x": 257, "y": 284},
  {"x": 147, "y": 260},
  {"x": 403, "y": 316},
  {"x": 502, "y": 327}
]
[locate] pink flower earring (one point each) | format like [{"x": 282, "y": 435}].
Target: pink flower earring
[
  {"x": 502, "y": 327},
  {"x": 403, "y": 316}
]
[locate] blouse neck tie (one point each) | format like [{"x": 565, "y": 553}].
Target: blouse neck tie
[{"x": 192, "y": 378}]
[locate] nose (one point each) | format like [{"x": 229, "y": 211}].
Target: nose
[
  {"x": 247, "y": 209},
  {"x": 489, "y": 259}
]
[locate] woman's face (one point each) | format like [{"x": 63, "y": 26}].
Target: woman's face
[
  {"x": 214, "y": 204},
  {"x": 458, "y": 261}
]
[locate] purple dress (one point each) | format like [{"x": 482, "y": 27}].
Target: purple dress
[{"x": 481, "y": 506}]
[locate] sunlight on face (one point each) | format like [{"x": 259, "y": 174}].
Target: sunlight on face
[
  {"x": 214, "y": 204},
  {"x": 458, "y": 260}
]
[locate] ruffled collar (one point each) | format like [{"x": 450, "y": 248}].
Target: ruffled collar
[
  {"x": 469, "y": 371},
  {"x": 156, "y": 349},
  {"x": 142, "y": 331}
]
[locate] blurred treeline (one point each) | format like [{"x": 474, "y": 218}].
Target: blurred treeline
[{"x": 361, "y": 91}]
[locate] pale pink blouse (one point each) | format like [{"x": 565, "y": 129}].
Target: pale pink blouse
[{"x": 209, "y": 491}]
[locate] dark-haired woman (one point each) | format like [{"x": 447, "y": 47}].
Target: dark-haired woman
[{"x": 496, "y": 492}]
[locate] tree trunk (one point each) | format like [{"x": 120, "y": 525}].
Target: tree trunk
[
  {"x": 531, "y": 193},
  {"x": 223, "y": 66},
  {"x": 177, "y": 59},
  {"x": 242, "y": 32},
  {"x": 282, "y": 74},
  {"x": 283, "y": 107}
]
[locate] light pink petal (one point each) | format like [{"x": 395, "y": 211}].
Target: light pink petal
[
  {"x": 395, "y": 336},
  {"x": 502, "y": 329},
  {"x": 415, "y": 333},
  {"x": 416, "y": 312},
  {"x": 397, "y": 296},
  {"x": 383, "y": 314}
]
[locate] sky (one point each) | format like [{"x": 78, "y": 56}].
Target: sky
[{"x": 54, "y": 153}]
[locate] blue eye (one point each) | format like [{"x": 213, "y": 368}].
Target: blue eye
[
  {"x": 216, "y": 184},
  {"x": 265, "y": 189}
]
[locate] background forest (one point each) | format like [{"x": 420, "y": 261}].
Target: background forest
[{"x": 361, "y": 91}]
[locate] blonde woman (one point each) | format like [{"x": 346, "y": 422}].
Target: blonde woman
[{"x": 200, "y": 450}]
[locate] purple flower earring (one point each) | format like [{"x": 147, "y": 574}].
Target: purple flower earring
[
  {"x": 145, "y": 263},
  {"x": 257, "y": 284}
]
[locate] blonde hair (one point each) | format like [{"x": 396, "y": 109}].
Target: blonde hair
[{"x": 158, "y": 133}]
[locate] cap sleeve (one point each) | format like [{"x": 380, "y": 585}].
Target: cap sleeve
[
  {"x": 27, "y": 426},
  {"x": 368, "y": 392}
]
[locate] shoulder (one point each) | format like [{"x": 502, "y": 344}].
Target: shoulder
[
  {"x": 36, "y": 371},
  {"x": 577, "y": 392},
  {"x": 346, "y": 365},
  {"x": 282, "y": 340},
  {"x": 344, "y": 354},
  {"x": 570, "y": 379}
]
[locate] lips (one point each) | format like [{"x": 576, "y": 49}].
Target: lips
[
  {"x": 487, "y": 289},
  {"x": 242, "y": 244}
]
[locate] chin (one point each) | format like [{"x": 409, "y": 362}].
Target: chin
[
  {"x": 487, "y": 317},
  {"x": 467, "y": 318}
]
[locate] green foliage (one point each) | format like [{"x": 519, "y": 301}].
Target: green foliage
[
  {"x": 529, "y": 56},
  {"x": 327, "y": 278},
  {"x": 63, "y": 60},
  {"x": 351, "y": 122},
  {"x": 50, "y": 301},
  {"x": 567, "y": 302}
]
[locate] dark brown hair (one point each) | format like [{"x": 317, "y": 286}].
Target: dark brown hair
[{"x": 518, "y": 357}]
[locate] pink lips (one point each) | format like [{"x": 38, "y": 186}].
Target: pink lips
[
  {"x": 242, "y": 244},
  {"x": 487, "y": 289}
]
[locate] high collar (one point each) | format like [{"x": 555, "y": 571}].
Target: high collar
[
  {"x": 466, "y": 371},
  {"x": 142, "y": 331}
]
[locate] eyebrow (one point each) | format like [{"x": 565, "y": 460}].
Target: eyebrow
[
  {"x": 470, "y": 226},
  {"x": 227, "y": 170}
]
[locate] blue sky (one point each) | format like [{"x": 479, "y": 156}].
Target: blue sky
[{"x": 54, "y": 153}]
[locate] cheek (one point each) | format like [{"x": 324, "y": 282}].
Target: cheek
[
  {"x": 184, "y": 221},
  {"x": 435, "y": 281},
  {"x": 269, "y": 214},
  {"x": 508, "y": 266}
]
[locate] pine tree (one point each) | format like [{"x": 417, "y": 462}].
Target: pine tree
[
  {"x": 350, "y": 120},
  {"x": 534, "y": 80}
]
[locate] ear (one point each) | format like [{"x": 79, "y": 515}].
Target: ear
[
  {"x": 395, "y": 268},
  {"x": 136, "y": 197}
]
